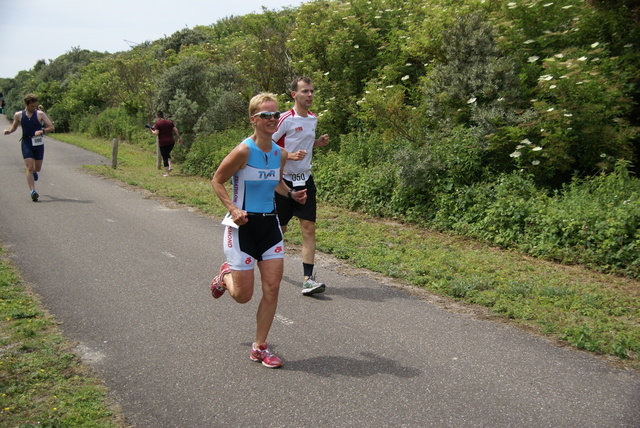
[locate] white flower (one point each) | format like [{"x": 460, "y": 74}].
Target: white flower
[
  {"x": 405, "y": 77},
  {"x": 389, "y": 86},
  {"x": 568, "y": 115},
  {"x": 535, "y": 162},
  {"x": 326, "y": 74},
  {"x": 408, "y": 64},
  {"x": 519, "y": 146},
  {"x": 551, "y": 109},
  {"x": 533, "y": 58},
  {"x": 529, "y": 41},
  {"x": 536, "y": 149},
  {"x": 630, "y": 45},
  {"x": 594, "y": 45},
  {"x": 567, "y": 7},
  {"x": 547, "y": 5},
  {"x": 515, "y": 154},
  {"x": 603, "y": 155},
  {"x": 526, "y": 141},
  {"x": 471, "y": 100},
  {"x": 546, "y": 77},
  {"x": 552, "y": 87},
  {"x": 560, "y": 55},
  {"x": 582, "y": 58},
  {"x": 356, "y": 46}
]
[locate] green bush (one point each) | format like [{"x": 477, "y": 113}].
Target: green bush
[
  {"x": 593, "y": 222},
  {"x": 116, "y": 123},
  {"x": 206, "y": 153}
]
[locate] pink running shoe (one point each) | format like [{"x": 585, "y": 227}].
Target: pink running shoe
[
  {"x": 262, "y": 355},
  {"x": 217, "y": 285}
]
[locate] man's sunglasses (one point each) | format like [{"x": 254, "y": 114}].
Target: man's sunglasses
[{"x": 268, "y": 114}]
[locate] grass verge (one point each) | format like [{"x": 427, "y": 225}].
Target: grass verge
[{"x": 42, "y": 381}]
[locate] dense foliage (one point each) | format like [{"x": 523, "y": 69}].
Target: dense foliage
[{"x": 514, "y": 121}]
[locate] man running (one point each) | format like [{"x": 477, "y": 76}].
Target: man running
[
  {"x": 297, "y": 135},
  {"x": 31, "y": 120}
]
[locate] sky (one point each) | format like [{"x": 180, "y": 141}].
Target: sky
[{"x": 45, "y": 29}]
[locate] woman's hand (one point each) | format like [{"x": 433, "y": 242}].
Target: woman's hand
[{"x": 239, "y": 216}]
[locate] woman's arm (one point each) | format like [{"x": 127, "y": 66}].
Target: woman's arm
[{"x": 232, "y": 163}]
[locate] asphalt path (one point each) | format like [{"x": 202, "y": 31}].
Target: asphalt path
[{"x": 128, "y": 278}]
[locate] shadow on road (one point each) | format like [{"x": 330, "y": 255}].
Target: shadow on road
[
  {"x": 47, "y": 198},
  {"x": 371, "y": 365},
  {"x": 372, "y": 294}
]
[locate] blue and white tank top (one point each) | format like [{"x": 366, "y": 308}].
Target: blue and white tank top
[{"x": 254, "y": 185}]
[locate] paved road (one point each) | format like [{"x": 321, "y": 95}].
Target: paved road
[{"x": 128, "y": 278}]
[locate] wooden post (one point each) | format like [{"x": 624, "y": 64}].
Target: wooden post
[
  {"x": 159, "y": 163},
  {"x": 114, "y": 154}
]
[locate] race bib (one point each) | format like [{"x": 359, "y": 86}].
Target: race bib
[
  {"x": 37, "y": 141},
  {"x": 299, "y": 180}
]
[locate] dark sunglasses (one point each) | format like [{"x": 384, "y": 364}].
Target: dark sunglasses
[{"x": 268, "y": 114}]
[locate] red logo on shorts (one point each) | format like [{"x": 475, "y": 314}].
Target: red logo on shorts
[
  {"x": 248, "y": 261},
  {"x": 278, "y": 249},
  {"x": 229, "y": 237}
]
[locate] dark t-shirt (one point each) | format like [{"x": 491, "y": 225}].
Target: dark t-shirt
[{"x": 165, "y": 132}]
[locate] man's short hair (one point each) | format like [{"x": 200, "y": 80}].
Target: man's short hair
[
  {"x": 297, "y": 80},
  {"x": 30, "y": 98},
  {"x": 160, "y": 114}
]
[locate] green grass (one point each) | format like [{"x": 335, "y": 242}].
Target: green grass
[
  {"x": 42, "y": 381},
  {"x": 574, "y": 305}
]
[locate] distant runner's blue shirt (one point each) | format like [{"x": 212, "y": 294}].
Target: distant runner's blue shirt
[{"x": 254, "y": 185}]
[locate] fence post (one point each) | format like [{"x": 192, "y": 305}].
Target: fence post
[
  {"x": 159, "y": 163},
  {"x": 114, "y": 154}
]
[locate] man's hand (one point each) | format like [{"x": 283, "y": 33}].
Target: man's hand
[
  {"x": 300, "y": 196},
  {"x": 299, "y": 155},
  {"x": 323, "y": 140}
]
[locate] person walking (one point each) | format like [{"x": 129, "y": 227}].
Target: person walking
[
  {"x": 165, "y": 130},
  {"x": 252, "y": 233},
  {"x": 31, "y": 120},
  {"x": 297, "y": 134}
]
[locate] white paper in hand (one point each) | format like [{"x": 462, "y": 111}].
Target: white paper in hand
[{"x": 228, "y": 221}]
